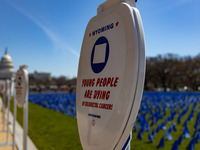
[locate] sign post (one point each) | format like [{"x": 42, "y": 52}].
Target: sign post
[
  {"x": 22, "y": 99},
  {"x": 6, "y": 92},
  {"x": 110, "y": 76},
  {"x": 8, "y": 96},
  {"x": 14, "y": 120}
]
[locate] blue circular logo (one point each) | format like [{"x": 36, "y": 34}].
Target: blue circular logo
[
  {"x": 19, "y": 81},
  {"x": 100, "y": 54}
]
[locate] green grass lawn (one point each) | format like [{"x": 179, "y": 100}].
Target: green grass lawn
[{"x": 51, "y": 130}]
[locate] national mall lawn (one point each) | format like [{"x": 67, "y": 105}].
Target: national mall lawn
[{"x": 51, "y": 130}]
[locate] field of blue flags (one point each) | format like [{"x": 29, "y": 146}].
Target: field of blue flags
[
  {"x": 64, "y": 103},
  {"x": 168, "y": 121}
]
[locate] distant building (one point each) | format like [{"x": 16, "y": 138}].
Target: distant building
[
  {"x": 40, "y": 76},
  {"x": 6, "y": 66}
]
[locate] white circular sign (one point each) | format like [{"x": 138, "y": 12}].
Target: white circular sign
[
  {"x": 110, "y": 78},
  {"x": 21, "y": 86}
]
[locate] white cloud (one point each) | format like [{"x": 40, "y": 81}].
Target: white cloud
[{"x": 55, "y": 39}]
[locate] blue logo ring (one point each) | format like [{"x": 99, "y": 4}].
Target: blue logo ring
[{"x": 98, "y": 67}]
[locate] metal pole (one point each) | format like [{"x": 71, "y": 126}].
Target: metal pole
[
  {"x": 4, "y": 107},
  {"x": 2, "y": 113},
  {"x": 14, "y": 122},
  {"x": 25, "y": 124},
  {"x": 8, "y": 108},
  {"x": 131, "y": 2},
  {"x": 14, "y": 119},
  {"x": 128, "y": 145}
]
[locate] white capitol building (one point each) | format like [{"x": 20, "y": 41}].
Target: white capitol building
[
  {"x": 6, "y": 66},
  {"x": 7, "y": 74}
]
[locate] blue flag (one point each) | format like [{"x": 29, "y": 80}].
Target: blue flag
[
  {"x": 198, "y": 137},
  {"x": 158, "y": 128},
  {"x": 163, "y": 126},
  {"x": 174, "y": 127},
  {"x": 140, "y": 137},
  {"x": 151, "y": 137},
  {"x": 180, "y": 139},
  {"x": 191, "y": 144},
  {"x": 169, "y": 136},
  {"x": 135, "y": 127},
  {"x": 161, "y": 143},
  {"x": 154, "y": 132},
  {"x": 175, "y": 145}
]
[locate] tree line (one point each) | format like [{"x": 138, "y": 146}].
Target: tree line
[
  {"x": 172, "y": 72},
  {"x": 46, "y": 83}
]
